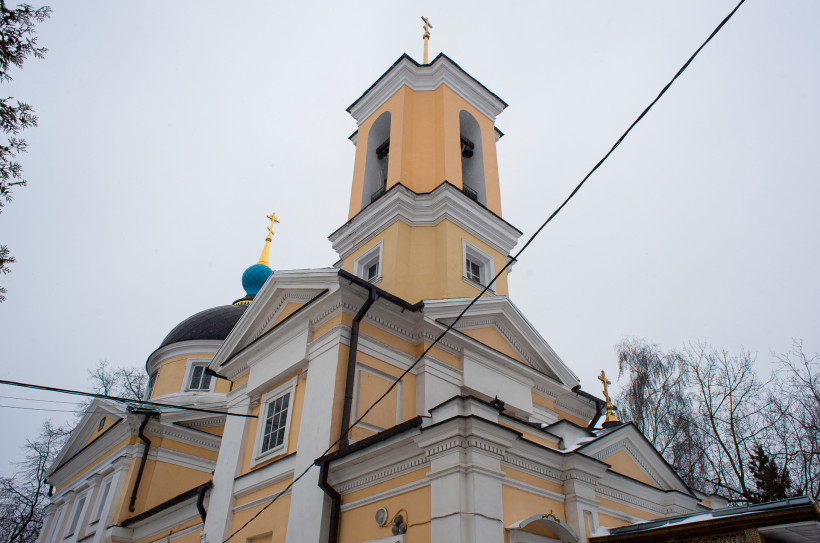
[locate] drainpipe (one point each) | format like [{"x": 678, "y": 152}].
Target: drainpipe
[
  {"x": 351, "y": 365},
  {"x": 599, "y": 405},
  {"x": 335, "y": 503},
  {"x": 200, "y": 500},
  {"x": 148, "y": 414}
]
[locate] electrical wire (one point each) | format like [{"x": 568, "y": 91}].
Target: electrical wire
[
  {"x": 507, "y": 265},
  {"x": 129, "y": 401},
  {"x": 38, "y": 400}
]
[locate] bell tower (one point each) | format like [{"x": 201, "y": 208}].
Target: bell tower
[{"x": 425, "y": 203}]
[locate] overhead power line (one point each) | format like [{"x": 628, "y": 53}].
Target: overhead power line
[
  {"x": 507, "y": 265},
  {"x": 121, "y": 399}
]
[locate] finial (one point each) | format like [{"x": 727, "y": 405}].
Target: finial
[
  {"x": 264, "y": 259},
  {"x": 426, "y": 37},
  {"x": 611, "y": 417}
]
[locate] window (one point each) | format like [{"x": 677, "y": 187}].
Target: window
[
  {"x": 197, "y": 377},
  {"x": 101, "y": 497},
  {"x": 75, "y": 519},
  {"x": 274, "y": 421},
  {"x": 478, "y": 265},
  {"x": 152, "y": 380},
  {"x": 369, "y": 265}
]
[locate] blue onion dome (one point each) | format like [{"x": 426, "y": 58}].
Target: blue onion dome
[{"x": 254, "y": 277}]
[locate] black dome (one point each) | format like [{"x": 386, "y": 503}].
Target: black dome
[{"x": 214, "y": 323}]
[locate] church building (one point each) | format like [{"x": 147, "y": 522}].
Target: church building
[{"x": 487, "y": 438}]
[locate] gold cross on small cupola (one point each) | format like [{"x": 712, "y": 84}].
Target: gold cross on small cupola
[
  {"x": 265, "y": 258},
  {"x": 611, "y": 417}
]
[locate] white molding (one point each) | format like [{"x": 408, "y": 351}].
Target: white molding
[
  {"x": 360, "y": 367},
  {"x": 259, "y": 455},
  {"x": 442, "y": 71},
  {"x": 181, "y": 348},
  {"x": 261, "y": 478},
  {"x": 445, "y": 202}
]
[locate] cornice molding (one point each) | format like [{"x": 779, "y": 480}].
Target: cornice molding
[
  {"x": 182, "y": 348},
  {"x": 417, "y": 77},
  {"x": 445, "y": 202}
]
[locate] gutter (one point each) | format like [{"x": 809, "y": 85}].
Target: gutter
[
  {"x": 148, "y": 415},
  {"x": 599, "y": 403},
  {"x": 324, "y": 469},
  {"x": 200, "y": 500},
  {"x": 351, "y": 365}
]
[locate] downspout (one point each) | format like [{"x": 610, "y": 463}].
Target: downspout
[
  {"x": 148, "y": 414},
  {"x": 599, "y": 404},
  {"x": 335, "y": 503},
  {"x": 200, "y": 500},
  {"x": 351, "y": 365}
]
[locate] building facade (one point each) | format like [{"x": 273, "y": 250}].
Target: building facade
[{"x": 486, "y": 437}]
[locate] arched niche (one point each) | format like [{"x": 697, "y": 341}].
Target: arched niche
[
  {"x": 378, "y": 154},
  {"x": 472, "y": 157}
]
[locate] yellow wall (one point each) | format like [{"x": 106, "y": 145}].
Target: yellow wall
[
  {"x": 492, "y": 338},
  {"x": 357, "y": 524},
  {"x": 425, "y": 262},
  {"x": 372, "y": 387},
  {"x": 171, "y": 375},
  {"x": 271, "y": 526},
  {"x": 109, "y": 422},
  {"x": 624, "y": 509},
  {"x": 289, "y": 309},
  {"x": 127, "y": 441},
  {"x": 162, "y": 481},
  {"x": 519, "y": 505},
  {"x": 425, "y": 149},
  {"x": 625, "y": 465}
]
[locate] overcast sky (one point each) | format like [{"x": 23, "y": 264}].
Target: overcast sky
[{"x": 168, "y": 130}]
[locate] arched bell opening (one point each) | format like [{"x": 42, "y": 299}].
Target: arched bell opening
[
  {"x": 472, "y": 158},
  {"x": 378, "y": 155}
]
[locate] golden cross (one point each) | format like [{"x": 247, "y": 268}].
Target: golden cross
[
  {"x": 426, "y": 36},
  {"x": 427, "y": 25},
  {"x": 273, "y": 220},
  {"x": 602, "y": 378}
]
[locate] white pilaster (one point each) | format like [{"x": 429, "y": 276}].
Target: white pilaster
[
  {"x": 308, "y": 503},
  {"x": 228, "y": 463}
]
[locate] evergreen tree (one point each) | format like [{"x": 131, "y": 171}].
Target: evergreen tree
[{"x": 771, "y": 482}]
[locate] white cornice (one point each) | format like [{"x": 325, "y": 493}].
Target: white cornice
[
  {"x": 182, "y": 348},
  {"x": 442, "y": 71},
  {"x": 427, "y": 209}
]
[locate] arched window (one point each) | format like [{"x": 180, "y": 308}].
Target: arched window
[
  {"x": 378, "y": 154},
  {"x": 472, "y": 158}
]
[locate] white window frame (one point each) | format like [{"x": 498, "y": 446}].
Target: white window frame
[
  {"x": 75, "y": 521},
  {"x": 484, "y": 261},
  {"x": 264, "y": 401},
  {"x": 102, "y": 495},
  {"x": 374, "y": 255},
  {"x": 189, "y": 372}
]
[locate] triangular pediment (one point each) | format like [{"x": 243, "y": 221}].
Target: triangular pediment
[
  {"x": 629, "y": 453},
  {"x": 90, "y": 428},
  {"x": 497, "y": 323},
  {"x": 282, "y": 296}
]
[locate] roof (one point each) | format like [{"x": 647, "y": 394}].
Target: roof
[
  {"x": 771, "y": 517},
  {"x": 214, "y": 323}
]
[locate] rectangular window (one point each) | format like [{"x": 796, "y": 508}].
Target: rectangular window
[
  {"x": 479, "y": 268},
  {"x": 76, "y": 518},
  {"x": 276, "y": 423},
  {"x": 101, "y": 497},
  {"x": 199, "y": 379}
]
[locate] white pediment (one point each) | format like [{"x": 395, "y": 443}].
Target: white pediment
[
  {"x": 281, "y": 288},
  {"x": 88, "y": 425},
  {"x": 628, "y": 439}
]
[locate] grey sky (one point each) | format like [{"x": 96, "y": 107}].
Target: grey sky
[{"x": 169, "y": 130}]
